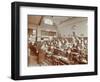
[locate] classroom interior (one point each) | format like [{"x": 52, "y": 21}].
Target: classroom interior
[{"x": 57, "y": 40}]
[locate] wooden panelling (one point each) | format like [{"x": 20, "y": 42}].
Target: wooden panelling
[
  {"x": 35, "y": 20},
  {"x": 32, "y": 26}
]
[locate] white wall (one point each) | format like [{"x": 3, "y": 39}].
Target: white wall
[
  {"x": 77, "y": 25},
  {"x": 5, "y": 41}
]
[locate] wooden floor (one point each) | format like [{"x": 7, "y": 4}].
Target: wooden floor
[{"x": 32, "y": 61}]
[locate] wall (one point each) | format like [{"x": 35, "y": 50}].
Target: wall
[
  {"x": 76, "y": 25},
  {"x": 5, "y": 41}
]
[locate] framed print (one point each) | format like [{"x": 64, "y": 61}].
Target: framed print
[{"x": 53, "y": 40}]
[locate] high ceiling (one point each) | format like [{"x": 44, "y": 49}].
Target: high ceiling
[
  {"x": 53, "y": 20},
  {"x": 60, "y": 19},
  {"x": 36, "y": 20}
]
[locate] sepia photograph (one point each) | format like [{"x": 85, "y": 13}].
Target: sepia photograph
[{"x": 57, "y": 40}]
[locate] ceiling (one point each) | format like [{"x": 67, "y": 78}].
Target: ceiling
[
  {"x": 61, "y": 19},
  {"x": 36, "y": 20},
  {"x": 52, "y": 20}
]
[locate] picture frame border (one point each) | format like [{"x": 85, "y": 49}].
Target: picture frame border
[{"x": 15, "y": 40}]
